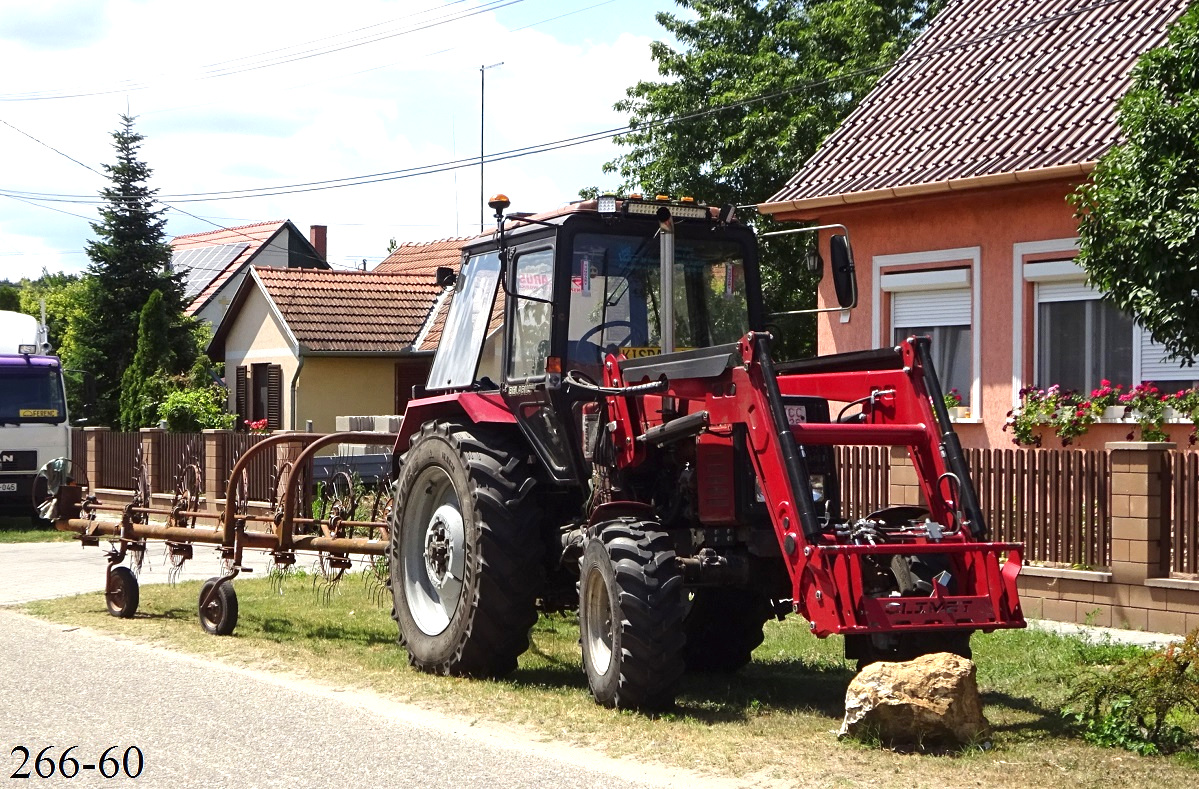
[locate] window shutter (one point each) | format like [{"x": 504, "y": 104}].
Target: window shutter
[
  {"x": 241, "y": 393},
  {"x": 1154, "y": 366},
  {"x": 1078, "y": 290},
  {"x": 408, "y": 375},
  {"x": 931, "y": 308},
  {"x": 274, "y": 397}
]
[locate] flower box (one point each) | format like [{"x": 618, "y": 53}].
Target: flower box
[{"x": 1113, "y": 412}]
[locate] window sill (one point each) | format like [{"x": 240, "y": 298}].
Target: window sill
[
  {"x": 1173, "y": 583},
  {"x": 966, "y": 420},
  {"x": 1097, "y": 576}
]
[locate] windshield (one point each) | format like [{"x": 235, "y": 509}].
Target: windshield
[
  {"x": 31, "y": 394},
  {"x": 615, "y": 299}
]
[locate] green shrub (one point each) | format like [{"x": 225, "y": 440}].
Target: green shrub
[
  {"x": 193, "y": 410},
  {"x": 1147, "y": 704}
]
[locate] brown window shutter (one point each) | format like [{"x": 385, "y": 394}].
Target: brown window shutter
[
  {"x": 274, "y": 401},
  {"x": 241, "y": 394},
  {"x": 409, "y": 373}
]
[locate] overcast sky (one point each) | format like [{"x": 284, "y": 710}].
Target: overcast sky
[{"x": 259, "y": 93}]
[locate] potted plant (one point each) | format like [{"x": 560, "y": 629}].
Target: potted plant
[
  {"x": 1037, "y": 408},
  {"x": 1185, "y": 403},
  {"x": 1148, "y": 407},
  {"x": 1106, "y": 400},
  {"x": 953, "y": 403}
]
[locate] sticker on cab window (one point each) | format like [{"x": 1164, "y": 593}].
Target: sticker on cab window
[{"x": 33, "y": 413}]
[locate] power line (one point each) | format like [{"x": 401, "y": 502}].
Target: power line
[
  {"x": 225, "y": 68},
  {"x": 455, "y": 164}
]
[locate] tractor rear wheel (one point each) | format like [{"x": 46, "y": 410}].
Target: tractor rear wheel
[
  {"x": 631, "y": 610},
  {"x": 724, "y": 627},
  {"x": 465, "y": 550}
]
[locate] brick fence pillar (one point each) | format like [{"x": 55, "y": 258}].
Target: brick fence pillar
[
  {"x": 94, "y": 441},
  {"x": 904, "y": 484},
  {"x": 1138, "y": 501},
  {"x": 216, "y": 465},
  {"x": 151, "y": 455}
]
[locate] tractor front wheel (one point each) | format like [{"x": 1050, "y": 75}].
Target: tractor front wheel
[
  {"x": 465, "y": 550},
  {"x": 631, "y": 610}
]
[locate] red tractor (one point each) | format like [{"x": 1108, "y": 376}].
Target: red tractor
[{"x": 604, "y": 427}]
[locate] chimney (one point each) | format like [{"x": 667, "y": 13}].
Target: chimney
[{"x": 317, "y": 235}]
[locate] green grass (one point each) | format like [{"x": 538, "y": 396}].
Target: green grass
[
  {"x": 771, "y": 721},
  {"x": 18, "y": 529}
]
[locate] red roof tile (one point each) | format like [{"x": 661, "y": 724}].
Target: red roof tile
[
  {"x": 992, "y": 87},
  {"x": 351, "y": 311},
  {"x": 424, "y": 257}
]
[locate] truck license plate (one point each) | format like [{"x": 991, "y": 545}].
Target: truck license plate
[{"x": 8, "y": 487}]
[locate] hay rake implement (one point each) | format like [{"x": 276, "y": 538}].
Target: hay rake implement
[{"x": 281, "y": 529}]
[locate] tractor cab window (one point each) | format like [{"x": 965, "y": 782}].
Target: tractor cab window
[
  {"x": 616, "y": 303},
  {"x": 466, "y": 326},
  {"x": 533, "y": 289}
]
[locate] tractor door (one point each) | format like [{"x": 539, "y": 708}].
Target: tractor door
[{"x": 531, "y": 319}]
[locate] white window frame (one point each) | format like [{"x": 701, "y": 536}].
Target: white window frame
[
  {"x": 929, "y": 280},
  {"x": 1063, "y": 270},
  {"x": 1035, "y": 273}
]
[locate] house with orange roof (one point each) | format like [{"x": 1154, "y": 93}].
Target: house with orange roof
[
  {"x": 952, "y": 177},
  {"x": 215, "y": 262},
  {"x": 305, "y": 344},
  {"x": 428, "y": 258}
]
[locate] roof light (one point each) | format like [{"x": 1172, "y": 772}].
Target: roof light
[
  {"x": 635, "y": 196},
  {"x": 686, "y": 199},
  {"x": 606, "y": 204},
  {"x": 26, "y": 349},
  {"x": 662, "y": 197}
]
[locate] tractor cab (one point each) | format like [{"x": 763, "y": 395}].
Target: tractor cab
[{"x": 545, "y": 299}]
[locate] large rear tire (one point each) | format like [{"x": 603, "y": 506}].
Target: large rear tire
[
  {"x": 465, "y": 550},
  {"x": 724, "y": 627},
  {"x": 631, "y": 616}
]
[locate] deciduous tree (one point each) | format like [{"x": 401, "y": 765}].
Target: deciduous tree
[
  {"x": 1139, "y": 212},
  {"x": 752, "y": 89}
]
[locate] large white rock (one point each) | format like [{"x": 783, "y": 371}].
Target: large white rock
[{"x": 930, "y": 701}]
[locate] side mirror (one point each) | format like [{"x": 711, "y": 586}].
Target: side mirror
[{"x": 845, "y": 280}]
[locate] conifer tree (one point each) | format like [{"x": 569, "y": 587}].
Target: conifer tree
[{"x": 130, "y": 259}]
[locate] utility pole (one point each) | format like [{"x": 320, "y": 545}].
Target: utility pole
[{"x": 482, "y": 97}]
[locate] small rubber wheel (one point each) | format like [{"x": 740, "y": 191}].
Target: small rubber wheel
[
  {"x": 219, "y": 617},
  {"x": 122, "y": 594}
]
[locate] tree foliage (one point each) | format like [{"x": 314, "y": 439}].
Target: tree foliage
[
  {"x": 139, "y": 400},
  {"x": 1139, "y": 212},
  {"x": 130, "y": 259},
  {"x": 10, "y": 298},
  {"x": 752, "y": 90}
]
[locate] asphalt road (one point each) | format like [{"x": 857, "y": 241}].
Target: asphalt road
[
  {"x": 199, "y": 723},
  {"x": 202, "y": 723}
]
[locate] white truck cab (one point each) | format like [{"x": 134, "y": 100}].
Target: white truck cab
[{"x": 34, "y": 428}]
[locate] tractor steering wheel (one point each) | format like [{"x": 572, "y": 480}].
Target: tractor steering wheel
[{"x": 610, "y": 325}]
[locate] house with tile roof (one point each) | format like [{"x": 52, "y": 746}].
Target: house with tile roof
[
  {"x": 302, "y": 344},
  {"x": 425, "y": 259},
  {"x": 952, "y": 177},
  {"x": 216, "y": 262}
]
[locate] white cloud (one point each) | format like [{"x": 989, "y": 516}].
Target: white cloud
[{"x": 410, "y": 100}]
